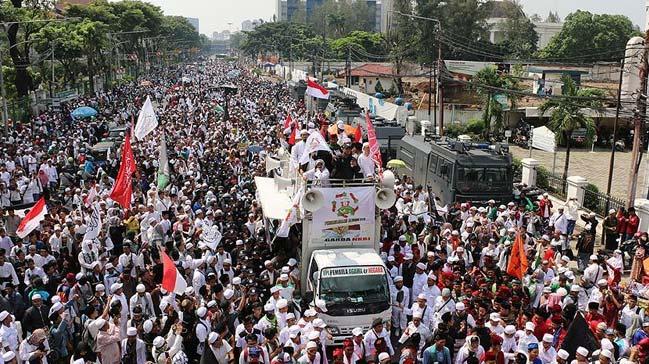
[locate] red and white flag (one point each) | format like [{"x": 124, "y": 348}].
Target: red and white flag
[
  {"x": 172, "y": 280},
  {"x": 291, "y": 216},
  {"x": 313, "y": 89},
  {"x": 32, "y": 219},
  {"x": 375, "y": 149},
  {"x": 90, "y": 197},
  {"x": 123, "y": 187},
  {"x": 288, "y": 121}
]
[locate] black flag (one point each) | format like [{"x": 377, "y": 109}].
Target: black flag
[{"x": 579, "y": 334}]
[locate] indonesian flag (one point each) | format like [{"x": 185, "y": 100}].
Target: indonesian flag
[
  {"x": 33, "y": 219},
  {"x": 291, "y": 216},
  {"x": 123, "y": 187},
  {"x": 90, "y": 198},
  {"x": 288, "y": 121},
  {"x": 313, "y": 89},
  {"x": 375, "y": 149},
  {"x": 172, "y": 280}
]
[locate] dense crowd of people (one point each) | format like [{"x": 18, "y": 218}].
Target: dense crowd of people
[{"x": 66, "y": 299}]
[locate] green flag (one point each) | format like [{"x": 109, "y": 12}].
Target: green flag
[{"x": 163, "y": 165}]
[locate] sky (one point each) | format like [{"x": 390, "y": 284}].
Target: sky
[{"x": 215, "y": 15}]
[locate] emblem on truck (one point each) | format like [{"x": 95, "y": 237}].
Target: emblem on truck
[{"x": 348, "y": 204}]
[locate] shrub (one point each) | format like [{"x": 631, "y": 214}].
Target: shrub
[
  {"x": 475, "y": 126},
  {"x": 591, "y": 202},
  {"x": 453, "y": 130}
]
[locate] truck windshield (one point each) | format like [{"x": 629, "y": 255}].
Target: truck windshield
[
  {"x": 355, "y": 294},
  {"x": 483, "y": 179}
]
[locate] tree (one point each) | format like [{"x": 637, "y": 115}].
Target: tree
[
  {"x": 567, "y": 113},
  {"x": 536, "y": 18},
  {"x": 492, "y": 86},
  {"x": 520, "y": 38},
  {"x": 590, "y": 37},
  {"x": 361, "y": 42},
  {"x": 463, "y": 26},
  {"x": 19, "y": 34}
]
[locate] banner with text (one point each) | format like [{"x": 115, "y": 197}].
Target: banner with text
[{"x": 347, "y": 216}]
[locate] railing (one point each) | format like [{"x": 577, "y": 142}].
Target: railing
[
  {"x": 557, "y": 185},
  {"x": 600, "y": 203}
]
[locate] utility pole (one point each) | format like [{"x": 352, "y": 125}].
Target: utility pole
[
  {"x": 3, "y": 94},
  {"x": 612, "y": 160},
  {"x": 440, "y": 90},
  {"x": 430, "y": 95},
  {"x": 638, "y": 121},
  {"x": 52, "y": 83},
  {"x": 348, "y": 68}
]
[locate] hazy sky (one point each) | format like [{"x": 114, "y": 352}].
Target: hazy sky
[{"x": 215, "y": 15}]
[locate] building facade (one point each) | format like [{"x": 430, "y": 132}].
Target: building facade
[{"x": 194, "y": 22}]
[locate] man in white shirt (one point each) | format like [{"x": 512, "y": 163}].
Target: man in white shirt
[
  {"x": 365, "y": 161},
  {"x": 377, "y": 331},
  {"x": 133, "y": 347},
  {"x": 220, "y": 348},
  {"x": 594, "y": 272}
]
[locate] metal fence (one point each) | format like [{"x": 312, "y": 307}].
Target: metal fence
[
  {"x": 600, "y": 203},
  {"x": 556, "y": 185}
]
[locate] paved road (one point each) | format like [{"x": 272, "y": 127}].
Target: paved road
[{"x": 593, "y": 167}]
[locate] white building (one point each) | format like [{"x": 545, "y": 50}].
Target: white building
[{"x": 194, "y": 22}]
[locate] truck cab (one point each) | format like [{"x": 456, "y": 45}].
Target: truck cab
[{"x": 353, "y": 283}]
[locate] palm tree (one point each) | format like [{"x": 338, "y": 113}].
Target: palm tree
[
  {"x": 488, "y": 83},
  {"x": 567, "y": 113}
]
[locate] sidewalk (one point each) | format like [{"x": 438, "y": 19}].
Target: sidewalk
[{"x": 580, "y": 223}]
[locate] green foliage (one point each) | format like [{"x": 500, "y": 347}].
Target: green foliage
[
  {"x": 359, "y": 42},
  {"x": 520, "y": 34},
  {"x": 339, "y": 18},
  {"x": 591, "y": 37},
  {"x": 453, "y": 130},
  {"x": 293, "y": 40},
  {"x": 475, "y": 126},
  {"x": 567, "y": 113},
  {"x": 488, "y": 82},
  {"x": 466, "y": 18},
  {"x": 591, "y": 202}
]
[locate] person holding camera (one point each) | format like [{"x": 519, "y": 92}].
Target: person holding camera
[
  {"x": 35, "y": 348},
  {"x": 108, "y": 339}
]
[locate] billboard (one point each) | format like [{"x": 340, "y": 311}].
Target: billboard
[{"x": 348, "y": 216}]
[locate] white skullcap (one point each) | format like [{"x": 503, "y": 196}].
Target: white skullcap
[
  {"x": 140, "y": 288},
  {"x": 158, "y": 342},
  {"x": 213, "y": 337},
  {"x": 147, "y": 326},
  {"x": 131, "y": 331},
  {"x": 582, "y": 351},
  {"x": 9, "y": 355},
  {"x": 228, "y": 293},
  {"x": 563, "y": 354},
  {"x": 202, "y": 311},
  {"x": 3, "y": 315},
  {"x": 384, "y": 356},
  {"x": 530, "y": 326},
  {"x": 311, "y": 345}
]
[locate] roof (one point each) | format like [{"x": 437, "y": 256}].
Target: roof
[
  {"x": 371, "y": 70},
  {"x": 346, "y": 257}
]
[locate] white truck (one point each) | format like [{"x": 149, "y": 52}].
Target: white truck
[
  {"x": 343, "y": 267},
  {"x": 341, "y": 232}
]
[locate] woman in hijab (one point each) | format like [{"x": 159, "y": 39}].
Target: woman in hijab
[
  {"x": 319, "y": 173},
  {"x": 471, "y": 351}
]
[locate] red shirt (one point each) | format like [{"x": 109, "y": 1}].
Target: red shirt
[{"x": 632, "y": 225}]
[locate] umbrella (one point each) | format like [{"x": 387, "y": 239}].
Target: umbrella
[
  {"x": 349, "y": 130},
  {"x": 255, "y": 149},
  {"x": 84, "y": 112},
  {"x": 396, "y": 163}
]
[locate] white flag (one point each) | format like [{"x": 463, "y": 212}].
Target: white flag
[
  {"x": 146, "y": 121},
  {"x": 94, "y": 224},
  {"x": 291, "y": 215},
  {"x": 315, "y": 142}
]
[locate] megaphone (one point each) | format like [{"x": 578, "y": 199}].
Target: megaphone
[
  {"x": 385, "y": 198},
  {"x": 388, "y": 179},
  {"x": 272, "y": 164},
  {"x": 283, "y": 183},
  {"x": 313, "y": 200}
]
